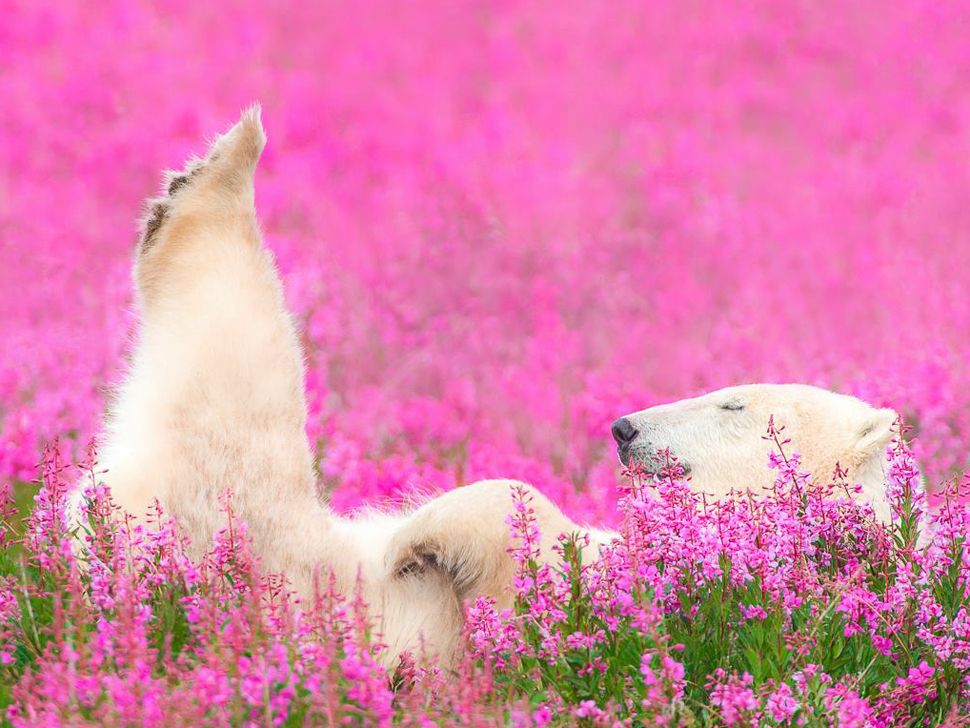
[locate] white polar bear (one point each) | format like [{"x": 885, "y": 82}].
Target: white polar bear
[
  {"x": 717, "y": 437},
  {"x": 214, "y": 400}
]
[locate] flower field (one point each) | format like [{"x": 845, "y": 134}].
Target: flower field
[{"x": 502, "y": 225}]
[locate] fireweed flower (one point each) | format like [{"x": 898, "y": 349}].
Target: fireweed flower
[
  {"x": 9, "y": 616},
  {"x": 733, "y": 697},
  {"x": 781, "y": 705}
]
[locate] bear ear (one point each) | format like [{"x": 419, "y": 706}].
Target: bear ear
[{"x": 876, "y": 433}]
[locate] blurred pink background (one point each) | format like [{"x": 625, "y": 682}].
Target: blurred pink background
[{"x": 503, "y": 224}]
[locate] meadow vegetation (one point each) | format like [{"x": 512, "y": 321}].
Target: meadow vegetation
[{"x": 501, "y": 226}]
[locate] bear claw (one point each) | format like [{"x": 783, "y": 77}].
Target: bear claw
[
  {"x": 240, "y": 147},
  {"x": 153, "y": 223}
]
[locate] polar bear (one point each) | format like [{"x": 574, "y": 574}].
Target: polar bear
[
  {"x": 214, "y": 400},
  {"x": 717, "y": 437}
]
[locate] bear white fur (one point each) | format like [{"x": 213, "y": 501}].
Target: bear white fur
[
  {"x": 214, "y": 400},
  {"x": 717, "y": 437}
]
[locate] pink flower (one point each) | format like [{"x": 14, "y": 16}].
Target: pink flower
[{"x": 781, "y": 704}]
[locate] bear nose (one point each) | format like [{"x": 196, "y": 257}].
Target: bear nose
[{"x": 623, "y": 432}]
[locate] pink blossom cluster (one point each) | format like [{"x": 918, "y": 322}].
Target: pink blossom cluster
[
  {"x": 130, "y": 631},
  {"x": 794, "y": 606}
]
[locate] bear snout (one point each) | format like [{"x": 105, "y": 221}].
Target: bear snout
[{"x": 624, "y": 432}]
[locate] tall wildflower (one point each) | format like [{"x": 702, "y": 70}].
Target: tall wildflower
[{"x": 905, "y": 490}]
